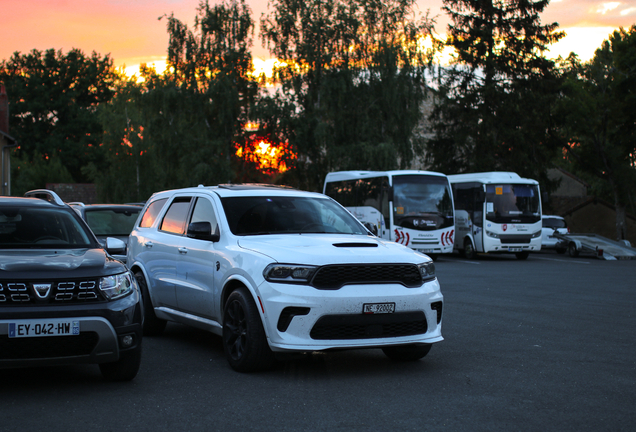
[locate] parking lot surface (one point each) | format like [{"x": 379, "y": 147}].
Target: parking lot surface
[{"x": 543, "y": 344}]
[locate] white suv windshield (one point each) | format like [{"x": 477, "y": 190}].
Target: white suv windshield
[{"x": 288, "y": 215}]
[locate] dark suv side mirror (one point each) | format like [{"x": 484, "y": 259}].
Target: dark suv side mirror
[{"x": 203, "y": 231}]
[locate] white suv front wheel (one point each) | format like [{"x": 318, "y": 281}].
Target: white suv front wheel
[{"x": 244, "y": 339}]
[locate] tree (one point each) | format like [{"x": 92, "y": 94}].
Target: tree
[
  {"x": 53, "y": 98},
  {"x": 493, "y": 106},
  {"x": 597, "y": 113},
  {"x": 216, "y": 62},
  {"x": 353, "y": 78},
  {"x": 182, "y": 128}
]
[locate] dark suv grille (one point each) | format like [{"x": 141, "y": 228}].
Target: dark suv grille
[
  {"x": 335, "y": 276},
  {"x": 65, "y": 291},
  {"x": 338, "y": 327},
  {"x": 47, "y": 347}
]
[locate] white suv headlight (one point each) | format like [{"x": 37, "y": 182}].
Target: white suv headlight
[
  {"x": 289, "y": 273},
  {"x": 427, "y": 270},
  {"x": 116, "y": 286}
]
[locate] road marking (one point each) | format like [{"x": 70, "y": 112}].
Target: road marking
[
  {"x": 469, "y": 262},
  {"x": 560, "y": 260}
]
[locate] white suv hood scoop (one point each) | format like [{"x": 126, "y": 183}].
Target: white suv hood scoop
[{"x": 322, "y": 249}]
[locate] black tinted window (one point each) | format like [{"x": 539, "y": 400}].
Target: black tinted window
[
  {"x": 42, "y": 228},
  {"x": 288, "y": 215},
  {"x": 203, "y": 212},
  {"x": 175, "y": 219},
  {"x": 113, "y": 222},
  {"x": 151, "y": 213}
]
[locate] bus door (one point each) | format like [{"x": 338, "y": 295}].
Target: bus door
[{"x": 478, "y": 223}]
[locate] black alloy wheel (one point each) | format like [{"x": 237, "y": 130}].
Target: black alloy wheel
[{"x": 244, "y": 339}]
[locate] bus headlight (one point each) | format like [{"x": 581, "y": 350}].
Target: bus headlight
[{"x": 492, "y": 234}]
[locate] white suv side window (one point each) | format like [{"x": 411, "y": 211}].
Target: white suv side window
[
  {"x": 174, "y": 220},
  {"x": 204, "y": 212}
]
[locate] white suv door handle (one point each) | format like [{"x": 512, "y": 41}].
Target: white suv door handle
[
  {"x": 183, "y": 250},
  {"x": 148, "y": 244}
]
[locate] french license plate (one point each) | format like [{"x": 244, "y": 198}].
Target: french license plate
[
  {"x": 39, "y": 328},
  {"x": 378, "y": 308},
  {"x": 515, "y": 249}
]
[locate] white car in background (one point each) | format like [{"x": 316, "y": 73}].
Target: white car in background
[
  {"x": 274, "y": 270},
  {"x": 550, "y": 225}
]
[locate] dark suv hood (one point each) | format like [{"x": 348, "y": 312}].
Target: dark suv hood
[{"x": 48, "y": 263}]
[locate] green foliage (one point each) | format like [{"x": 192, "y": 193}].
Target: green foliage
[
  {"x": 597, "y": 112},
  {"x": 181, "y": 128},
  {"x": 353, "y": 79},
  {"x": 493, "y": 107},
  {"x": 53, "y": 100}
]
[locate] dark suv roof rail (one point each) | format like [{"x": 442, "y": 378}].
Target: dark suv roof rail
[{"x": 46, "y": 195}]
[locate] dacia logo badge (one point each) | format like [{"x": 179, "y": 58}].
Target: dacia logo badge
[{"x": 42, "y": 290}]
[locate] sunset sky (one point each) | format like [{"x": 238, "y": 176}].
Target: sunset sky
[{"x": 130, "y": 31}]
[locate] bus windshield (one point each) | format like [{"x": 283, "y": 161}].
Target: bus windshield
[
  {"x": 513, "y": 203},
  {"x": 422, "y": 202}
]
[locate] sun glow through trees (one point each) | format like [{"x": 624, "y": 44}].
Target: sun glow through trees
[{"x": 267, "y": 157}]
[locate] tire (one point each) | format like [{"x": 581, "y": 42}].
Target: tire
[
  {"x": 244, "y": 339},
  {"x": 124, "y": 369},
  {"x": 572, "y": 250},
  {"x": 153, "y": 326},
  {"x": 522, "y": 255},
  {"x": 407, "y": 352},
  {"x": 469, "y": 250}
]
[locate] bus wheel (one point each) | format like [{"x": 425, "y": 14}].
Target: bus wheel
[
  {"x": 522, "y": 255},
  {"x": 469, "y": 250}
]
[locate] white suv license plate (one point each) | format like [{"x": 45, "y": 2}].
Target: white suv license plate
[
  {"x": 378, "y": 308},
  {"x": 40, "y": 328}
]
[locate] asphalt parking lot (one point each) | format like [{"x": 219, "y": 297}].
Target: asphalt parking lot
[{"x": 542, "y": 344}]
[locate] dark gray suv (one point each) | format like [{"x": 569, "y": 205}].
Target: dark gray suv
[{"x": 63, "y": 298}]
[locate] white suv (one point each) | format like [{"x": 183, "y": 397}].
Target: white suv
[{"x": 275, "y": 270}]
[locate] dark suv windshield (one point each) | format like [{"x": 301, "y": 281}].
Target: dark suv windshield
[
  {"x": 288, "y": 215},
  {"x": 512, "y": 203},
  {"x": 35, "y": 227},
  {"x": 112, "y": 222}
]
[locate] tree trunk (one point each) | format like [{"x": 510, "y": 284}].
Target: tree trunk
[{"x": 621, "y": 223}]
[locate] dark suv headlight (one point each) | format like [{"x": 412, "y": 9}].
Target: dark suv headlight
[
  {"x": 289, "y": 273},
  {"x": 427, "y": 270},
  {"x": 116, "y": 286}
]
